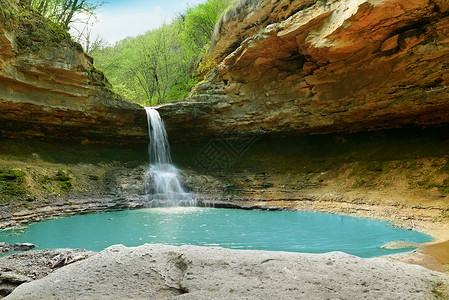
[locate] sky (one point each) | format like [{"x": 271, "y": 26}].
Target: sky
[{"x": 118, "y": 19}]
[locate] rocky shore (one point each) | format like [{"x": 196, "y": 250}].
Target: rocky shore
[
  {"x": 192, "y": 272},
  {"x": 66, "y": 208},
  {"x": 432, "y": 255},
  {"x": 423, "y": 219},
  {"x": 18, "y": 268},
  {"x": 284, "y": 71}
]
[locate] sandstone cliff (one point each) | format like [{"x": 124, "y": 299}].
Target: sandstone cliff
[
  {"x": 300, "y": 67},
  {"x": 49, "y": 88},
  {"x": 289, "y": 69}
]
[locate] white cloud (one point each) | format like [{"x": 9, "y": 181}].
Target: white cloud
[{"x": 117, "y": 25}]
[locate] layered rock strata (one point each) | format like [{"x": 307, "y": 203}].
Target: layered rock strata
[
  {"x": 334, "y": 66},
  {"x": 49, "y": 88}
]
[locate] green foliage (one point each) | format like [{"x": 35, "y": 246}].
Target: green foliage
[
  {"x": 206, "y": 65},
  {"x": 94, "y": 177},
  {"x": 36, "y": 34},
  {"x": 59, "y": 12},
  {"x": 63, "y": 12},
  {"x": 6, "y": 9},
  {"x": 41, "y": 24},
  {"x": 60, "y": 183},
  {"x": 61, "y": 176},
  {"x": 199, "y": 22},
  {"x": 442, "y": 187},
  {"x": 12, "y": 184},
  {"x": 159, "y": 66}
]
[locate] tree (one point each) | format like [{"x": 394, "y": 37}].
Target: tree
[
  {"x": 63, "y": 12},
  {"x": 84, "y": 37},
  {"x": 159, "y": 66},
  {"x": 199, "y": 21}
]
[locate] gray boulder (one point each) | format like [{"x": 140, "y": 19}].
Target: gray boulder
[{"x": 192, "y": 272}]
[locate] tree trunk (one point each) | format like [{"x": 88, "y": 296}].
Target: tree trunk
[{"x": 75, "y": 7}]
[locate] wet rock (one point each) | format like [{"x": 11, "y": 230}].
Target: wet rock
[
  {"x": 122, "y": 188},
  {"x": 5, "y": 247},
  {"x": 22, "y": 246},
  {"x": 401, "y": 245}
]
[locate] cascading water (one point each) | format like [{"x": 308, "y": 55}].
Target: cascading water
[{"x": 163, "y": 183}]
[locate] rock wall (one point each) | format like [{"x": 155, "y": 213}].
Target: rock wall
[
  {"x": 332, "y": 66},
  {"x": 399, "y": 175},
  {"x": 44, "y": 179},
  {"x": 49, "y": 88}
]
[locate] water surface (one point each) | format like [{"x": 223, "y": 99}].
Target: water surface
[{"x": 230, "y": 228}]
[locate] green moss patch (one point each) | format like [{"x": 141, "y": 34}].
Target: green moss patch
[
  {"x": 231, "y": 189},
  {"x": 60, "y": 183},
  {"x": 443, "y": 188},
  {"x": 12, "y": 184}
]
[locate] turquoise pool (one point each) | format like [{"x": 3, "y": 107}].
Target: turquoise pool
[{"x": 230, "y": 228}]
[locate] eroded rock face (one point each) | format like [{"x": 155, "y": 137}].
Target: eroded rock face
[
  {"x": 335, "y": 66},
  {"x": 19, "y": 268},
  {"x": 54, "y": 92}
]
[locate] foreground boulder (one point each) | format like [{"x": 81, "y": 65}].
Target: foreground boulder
[
  {"x": 192, "y": 272},
  {"x": 17, "y": 268}
]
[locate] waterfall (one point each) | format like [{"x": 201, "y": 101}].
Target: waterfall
[{"x": 163, "y": 184}]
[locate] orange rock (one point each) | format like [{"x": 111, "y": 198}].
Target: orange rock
[
  {"x": 390, "y": 43},
  {"x": 347, "y": 66},
  {"x": 56, "y": 93}
]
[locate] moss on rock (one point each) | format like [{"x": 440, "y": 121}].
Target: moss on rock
[
  {"x": 60, "y": 183},
  {"x": 12, "y": 184}
]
